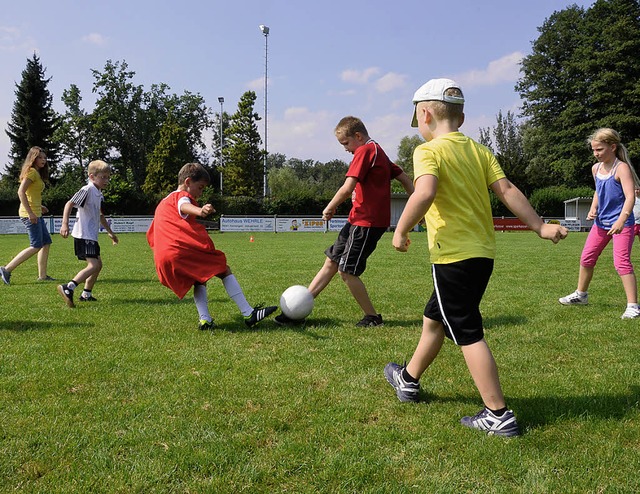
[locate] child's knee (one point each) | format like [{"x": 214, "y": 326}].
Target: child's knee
[
  {"x": 624, "y": 268},
  {"x": 346, "y": 277}
]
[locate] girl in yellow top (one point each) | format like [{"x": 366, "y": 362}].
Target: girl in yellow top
[{"x": 32, "y": 177}]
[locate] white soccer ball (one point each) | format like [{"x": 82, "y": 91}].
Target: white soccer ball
[{"x": 296, "y": 302}]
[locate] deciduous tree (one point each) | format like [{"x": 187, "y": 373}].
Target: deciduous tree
[{"x": 583, "y": 73}]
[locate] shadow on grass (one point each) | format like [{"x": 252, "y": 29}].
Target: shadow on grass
[
  {"x": 306, "y": 329},
  {"x": 40, "y": 325},
  {"x": 150, "y": 301},
  {"x": 169, "y": 300},
  {"x": 544, "y": 410},
  {"x": 504, "y": 320},
  {"x": 129, "y": 281}
]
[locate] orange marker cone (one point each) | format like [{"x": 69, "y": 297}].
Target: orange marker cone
[{"x": 251, "y": 239}]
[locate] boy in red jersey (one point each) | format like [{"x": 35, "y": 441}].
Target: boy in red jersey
[
  {"x": 368, "y": 185},
  {"x": 184, "y": 253}
]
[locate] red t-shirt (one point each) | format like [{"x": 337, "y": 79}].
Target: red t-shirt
[
  {"x": 371, "y": 198},
  {"x": 183, "y": 251}
]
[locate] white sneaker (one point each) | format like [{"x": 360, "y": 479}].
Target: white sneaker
[
  {"x": 574, "y": 299},
  {"x": 631, "y": 313}
]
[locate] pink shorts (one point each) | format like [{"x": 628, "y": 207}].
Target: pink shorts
[{"x": 598, "y": 239}]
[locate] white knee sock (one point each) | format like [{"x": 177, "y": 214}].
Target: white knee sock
[
  {"x": 234, "y": 290},
  {"x": 202, "y": 304}
]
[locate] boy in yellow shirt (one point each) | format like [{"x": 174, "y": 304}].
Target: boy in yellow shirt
[{"x": 452, "y": 176}]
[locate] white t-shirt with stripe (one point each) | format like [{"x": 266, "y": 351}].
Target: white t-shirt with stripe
[{"x": 88, "y": 201}]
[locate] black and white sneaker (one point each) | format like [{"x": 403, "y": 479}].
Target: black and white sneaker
[
  {"x": 406, "y": 391},
  {"x": 487, "y": 422},
  {"x": 67, "y": 295},
  {"x": 258, "y": 314},
  {"x": 370, "y": 321},
  {"x": 574, "y": 299}
]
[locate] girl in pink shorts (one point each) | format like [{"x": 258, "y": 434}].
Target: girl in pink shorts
[{"x": 612, "y": 212}]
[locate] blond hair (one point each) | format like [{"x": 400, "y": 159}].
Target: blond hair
[
  {"x": 98, "y": 166},
  {"x": 443, "y": 110},
  {"x": 609, "y": 136},
  {"x": 30, "y": 161}
]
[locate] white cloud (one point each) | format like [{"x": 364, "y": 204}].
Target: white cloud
[
  {"x": 505, "y": 69},
  {"x": 257, "y": 84},
  {"x": 305, "y": 134},
  {"x": 12, "y": 40},
  {"x": 390, "y": 81},
  {"x": 359, "y": 76},
  {"x": 95, "y": 39}
]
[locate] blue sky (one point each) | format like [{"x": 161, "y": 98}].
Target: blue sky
[{"x": 325, "y": 59}]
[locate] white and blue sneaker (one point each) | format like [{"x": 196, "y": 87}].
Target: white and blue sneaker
[
  {"x": 575, "y": 299},
  {"x": 486, "y": 421},
  {"x": 5, "y": 275},
  {"x": 631, "y": 313},
  {"x": 405, "y": 391}
]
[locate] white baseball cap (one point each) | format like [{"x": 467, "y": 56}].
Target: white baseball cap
[{"x": 435, "y": 90}]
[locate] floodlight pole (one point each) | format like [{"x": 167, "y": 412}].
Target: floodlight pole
[
  {"x": 265, "y": 32},
  {"x": 221, "y": 163}
]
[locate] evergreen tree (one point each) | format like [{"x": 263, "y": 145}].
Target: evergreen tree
[
  {"x": 243, "y": 156},
  {"x": 33, "y": 120},
  {"x": 166, "y": 159}
]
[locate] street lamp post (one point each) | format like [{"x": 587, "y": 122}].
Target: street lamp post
[
  {"x": 265, "y": 32},
  {"x": 221, "y": 101}
]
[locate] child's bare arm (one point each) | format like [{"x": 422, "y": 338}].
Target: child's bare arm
[
  {"x": 22, "y": 195},
  {"x": 406, "y": 182},
  {"x": 64, "y": 228},
  {"x": 192, "y": 209},
  {"x": 340, "y": 196},
  {"x": 105, "y": 224},
  {"x": 518, "y": 204},
  {"x": 417, "y": 206}
]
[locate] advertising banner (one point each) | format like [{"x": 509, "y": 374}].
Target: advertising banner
[
  {"x": 235, "y": 224},
  {"x": 290, "y": 224}
]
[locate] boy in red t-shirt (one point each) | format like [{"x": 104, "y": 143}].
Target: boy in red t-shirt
[
  {"x": 368, "y": 185},
  {"x": 184, "y": 253}
]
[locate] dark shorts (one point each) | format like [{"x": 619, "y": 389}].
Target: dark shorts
[
  {"x": 86, "y": 248},
  {"x": 38, "y": 233},
  {"x": 457, "y": 291},
  {"x": 353, "y": 246}
]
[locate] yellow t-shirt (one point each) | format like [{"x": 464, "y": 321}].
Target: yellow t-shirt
[
  {"x": 459, "y": 222},
  {"x": 34, "y": 194}
]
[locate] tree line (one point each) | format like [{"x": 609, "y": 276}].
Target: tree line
[{"x": 583, "y": 72}]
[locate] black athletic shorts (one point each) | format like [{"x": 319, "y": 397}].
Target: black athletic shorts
[
  {"x": 86, "y": 248},
  {"x": 353, "y": 246},
  {"x": 457, "y": 291}
]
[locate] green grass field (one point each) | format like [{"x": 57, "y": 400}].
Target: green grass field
[{"x": 126, "y": 396}]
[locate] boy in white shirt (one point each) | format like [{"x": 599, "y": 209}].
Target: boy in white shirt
[{"x": 88, "y": 201}]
